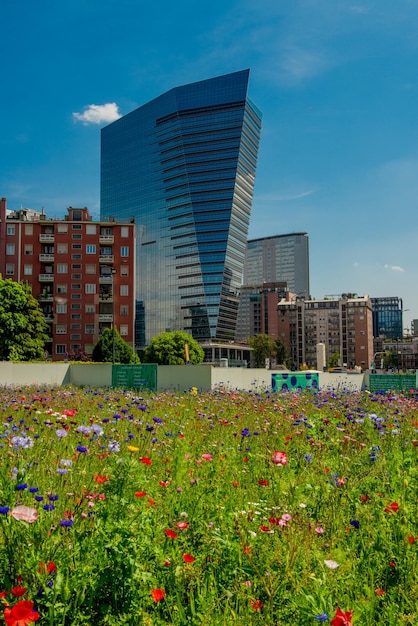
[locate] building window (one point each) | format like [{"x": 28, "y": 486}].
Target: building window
[
  {"x": 124, "y": 310},
  {"x": 62, "y": 268},
  {"x": 75, "y": 276},
  {"x": 28, "y": 249},
  {"x": 27, "y": 270},
  {"x": 123, "y": 330},
  {"x": 10, "y": 269},
  {"x": 90, "y": 288},
  {"x": 28, "y": 229},
  {"x": 77, "y": 226},
  {"x": 61, "y": 308},
  {"x": 90, "y": 248},
  {"x": 76, "y": 286},
  {"x": 76, "y": 266},
  {"x": 10, "y": 248},
  {"x": 90, "y": 268},
  {"x": 124, "y": 270},
  {"x": 124, "y": 251},
  {"x": 77, "y": 236},
  {"x": 124, "y": 290},
  {"x": 76, "y": 316},
  {"x": 62, "y": 228},
  {"x": 90, "y": 229},
  {"x": 61, "y": 329},
  {"x": 76, "y": 257},
  {"x": 10, "y": 229},
  {"x": 76, "y": 306},
  {"x": 76, "y": 296},
  {"x": 61, "y": 288},
  {"x": 90, "y": 308},
  {"x": 62, "y": 248},
  {"x": 89, "y": 329},
  {"x": 75, "y": 337},
  {"x": 60, "y": 348},
  {"x": 76, "y": 246},
  {"x": 75, "y": 326},
  {"x": 124, "y": 231}
]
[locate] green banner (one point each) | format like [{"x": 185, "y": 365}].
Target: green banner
[
  {"x": 392, "y": 382},
  {"x": 135, "y": 376},
  {"x": 285, "y": 381}
]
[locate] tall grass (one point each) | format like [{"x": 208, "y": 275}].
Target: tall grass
[{"x": 173, "y": 508}]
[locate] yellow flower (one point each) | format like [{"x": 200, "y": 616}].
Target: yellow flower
[
  {"x": 133, "y": 449},
  {"x": 193, "y": 391}
]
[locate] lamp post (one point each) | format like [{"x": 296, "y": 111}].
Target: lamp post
[{"x": 113, "y": 271}]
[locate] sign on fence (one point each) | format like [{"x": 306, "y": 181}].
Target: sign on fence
[
  {"x": 392, "y": 382},
  {"x": 285, "y": 381},
  {"x": 135, "y": 376}
]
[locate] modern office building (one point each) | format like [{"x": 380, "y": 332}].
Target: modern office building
[
  {"x": 342, "y": 324},
  {"x": 184, "y": 166},
  {"x": 82, "y": 273},
  {"x": 387, "y": 317},
  {"x": 279, "y": 258}
]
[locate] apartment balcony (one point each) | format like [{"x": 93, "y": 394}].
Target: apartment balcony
[
  {"x": 105, "y": 317},
  {"x": 105, "y": 297},
  {"x": 46, "y": 278},
  {"x": 49, "y": 319},
  {"x": 46, "y": 237},
  {"x": 106, "y": 258},
  {"x": 106, "y": 239},
  {"x": 106, "y": 280},
  {"x": 46, "y": 297},
  {"x": 46, "y": 258}
]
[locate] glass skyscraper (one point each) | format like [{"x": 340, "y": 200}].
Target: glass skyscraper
[{"x": 183, "y": 166}]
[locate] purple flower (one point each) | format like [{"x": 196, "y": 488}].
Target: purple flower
[
  {"x": 322, "y": 618},
  {"x": 21, "y": 486},
  {"x": 66, "y": 522},
  {"x": 4, "y": 510},
  {"x": 81, "y": 449},
  {"x": 61, "y": 433},
  {"x": 48, "y": 507},
  {"x": 157, "y": 420}
]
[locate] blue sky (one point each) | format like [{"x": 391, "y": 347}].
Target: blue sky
[{"x": 336, "y": 81}]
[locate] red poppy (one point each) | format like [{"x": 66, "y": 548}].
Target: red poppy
[
  {"x": 100, "y": 479},
  {"x": 411, "y": 539},
  {"x": 18, "y": 591},
  {"x": 48, "y": 567},
  {"x": 21, "y": 614},
  {"x": 158, "y": 594},
  {"x": 256, "y": 604},
  {"x": 140, "y": 494},
  {"x": 188, "y": 558},
  {"x": 380, "y": 592},
  {"x": 341, "y": 618},
  {"x": 364, "y": 498},
  {"x": 145, "y": 460},
  {"x": 263, "y": 483},
  {"x": 171, "y": 534},
  {"x": 265, "y": 529},
  {"x": 3, "y": 594},
  {"x": 392, "y": 508},
  {"x": 274, "y": 520}
]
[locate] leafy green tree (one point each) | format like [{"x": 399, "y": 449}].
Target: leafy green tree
[
  {"x": 103, "y": 349},
  {"x": 281, "y": 351},
  {"x": 172, "y": 349},
  {"x": 23, "y": 330},
  {"x": 334, "y": 359},
  {"x": 263, "y": 348}
]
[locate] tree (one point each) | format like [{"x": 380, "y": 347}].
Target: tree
[
  {"x": 281, "y": 352},
  {"x": 103, "y": 349},
  {"x": 334, "y": 359},
  {"x": 23, "y": 330},
  {"x": 173, "y": 348},
  {"x": 263, "y": 348}
]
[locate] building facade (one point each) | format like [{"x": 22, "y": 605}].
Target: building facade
[
  {"x": 257, "y": 313},
  {"x": 343, "y": 325},
  {"x": 279, "y": 258},
  {"x": 82, "y": 273},
  {"x": 184, "y": 165},
  {"x": 387, "y": 317}
]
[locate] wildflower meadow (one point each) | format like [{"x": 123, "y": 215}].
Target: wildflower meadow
[{"x": 222, "y": 508}]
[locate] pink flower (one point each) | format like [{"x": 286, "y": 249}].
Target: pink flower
[
  {"x": 319, "y": 530},
  {"x": 207, "y": 456},
  {"x": 279, "y": 458}
]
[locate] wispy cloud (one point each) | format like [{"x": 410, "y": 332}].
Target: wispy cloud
[
  {"x": 393, "y": 268},
  {"x": 99, "y": 114}
]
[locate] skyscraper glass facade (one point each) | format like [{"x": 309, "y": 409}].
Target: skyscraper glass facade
[
  {"x": 387, "y": 317},
  {"x": 183, "y": 166}
]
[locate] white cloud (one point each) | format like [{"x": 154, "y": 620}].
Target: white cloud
[
  {"x": 99, "y": 114},
  {"x": 394, "y": 268}
]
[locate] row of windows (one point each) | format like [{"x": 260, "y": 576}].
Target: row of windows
[
  {"x": 90, "y": 229},
  {"x": 62, "y": 248},
  {"x": 62, "y": 268},
  {"x": 62, "y": 308},
  {"x": 89, "y": 329}
]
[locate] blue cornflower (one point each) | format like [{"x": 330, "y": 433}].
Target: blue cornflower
[
  {"x": 4, "y": 510},
  {"x": 157, "y": 420},
  {"x": 81, "y": 449},
  {"x": 66, "y": 522},
  {"x": 33, "y": 489},
  {"x": 39, "y": 498},
  {"x": 149, "y": 428},
  {"x": 48, "y": 507},
  {"x": 53, "y": 497},
  {"x": 245, "y": 432},
  {"x": 355, "y": 523},
  {"x": 322, "y": 618},
  {"x": 308, "y": 458},
  {"x": 61, "y": 433},
  {"x": 61, "y": 470},
  {"x": 21, "y": 486}
]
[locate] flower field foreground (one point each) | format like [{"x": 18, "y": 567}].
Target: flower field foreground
[{"x": 222, "y": 508}]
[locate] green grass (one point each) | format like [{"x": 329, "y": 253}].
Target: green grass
[{"x": 123, "y": 469}]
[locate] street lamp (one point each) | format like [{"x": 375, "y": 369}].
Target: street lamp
[{"x": 113, "y": 271}]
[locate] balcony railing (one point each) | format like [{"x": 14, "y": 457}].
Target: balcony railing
[
  {"x": 106, "y": 280},
  {"x": 46, "y": 258},
  {"x": 106, "y": 258},
  {"x": 105, "y": 317},
  {"x": 46, "y": 237},
  {"x": 46, "y": 297},
  {"x": 106, "y": 239},
  {"x": 46, "y": 278}
]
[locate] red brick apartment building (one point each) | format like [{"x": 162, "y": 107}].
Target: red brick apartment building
[{"x": 82, "y": 273}]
